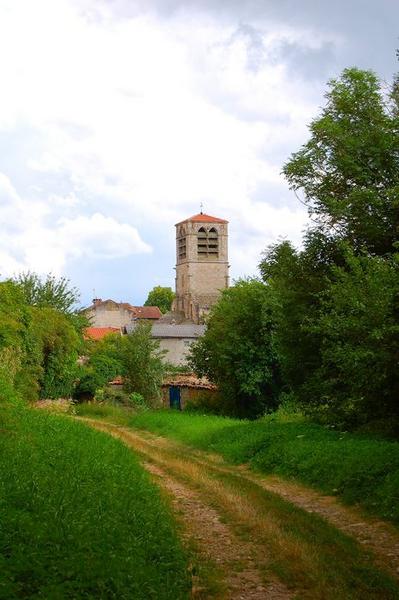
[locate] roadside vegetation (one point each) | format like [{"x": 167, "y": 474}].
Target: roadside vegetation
[
  {"x": 322, "y": 324},
  {"x": 358, "y": 469},
  {"x": 79, "y": 516}
]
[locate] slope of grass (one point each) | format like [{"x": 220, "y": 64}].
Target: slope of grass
[
  {"x": 356, "y": 468},
  {"x": 79, "y": 518}
]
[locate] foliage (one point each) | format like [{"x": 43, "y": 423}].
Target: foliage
[
  {"x": 112, "y": 537},
  {"x": 336, "y": 299},
  {"x": 52, "y": 292},
  {"x": 357, "y": 323},
  {"x": 57, "y": 344},
  {"x": 135, "y": 357},
  {"x": 238, "y": 352},
  {"x": 142, "y": 363},
  {"x": 359, "y": 469},
  {"x": 112, "y": 395},
  {"x": 13, "y": 322},
  {"x": 137, "y": 401},
  {"x": 349, "y": 169},
  {"x": 38, "y": 345},
  {"x": 103, "y": 363},
  {"x": 161, "y": 297}
]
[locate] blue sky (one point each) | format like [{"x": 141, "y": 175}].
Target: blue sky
[{"x": 117, "y": 119}]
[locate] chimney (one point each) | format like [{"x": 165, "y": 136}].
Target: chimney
[{"x": 96, "y": 301}]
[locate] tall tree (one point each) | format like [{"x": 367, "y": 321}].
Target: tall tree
[
  {"x": 348, "y": 171},
  {"x": 142, "y": 363}
]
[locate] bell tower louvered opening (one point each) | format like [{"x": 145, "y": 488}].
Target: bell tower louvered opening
[{"x": 207, "y": 243}]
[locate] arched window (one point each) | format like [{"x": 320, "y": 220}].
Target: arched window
[{"x": 208, "y": 243}]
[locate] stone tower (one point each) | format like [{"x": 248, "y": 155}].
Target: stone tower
[{"x": 202, "y": 268}]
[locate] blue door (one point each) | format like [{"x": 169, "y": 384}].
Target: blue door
[{"x": 174, "y": 397}]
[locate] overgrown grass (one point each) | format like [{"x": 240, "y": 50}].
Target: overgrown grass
[
  {"x": 108, "y": 412},
  {"x": 358, "y": 469},
  {"x": 79, "y": 518}
]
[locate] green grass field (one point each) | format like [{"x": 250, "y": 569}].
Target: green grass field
[
  {"x": 356, "y": 468},
  {"x": 79, "y": 517}
]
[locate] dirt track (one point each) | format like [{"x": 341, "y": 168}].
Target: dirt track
[{"x": 229, "y": 531}]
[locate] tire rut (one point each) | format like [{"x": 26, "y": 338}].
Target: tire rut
[{"x": 185, "y": 474}]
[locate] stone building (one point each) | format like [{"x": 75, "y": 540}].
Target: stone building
[
  {"x": 108, "y": 313},
  {"x": 202, "y": 268}
]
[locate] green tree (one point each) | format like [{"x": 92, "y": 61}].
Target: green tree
[
  {"x": 348, "y": 171},
  {"x": 161, "y": 297},
  {"x": 357, "y": 324},
  {"x": 238, "y": 352},
  {"x": 142, "y": 363},
  {"x": 336, "y": 299},
  {"x": 52, "y": 292}
]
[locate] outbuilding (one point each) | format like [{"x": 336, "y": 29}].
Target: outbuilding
[{"x": 179, "y": 391}]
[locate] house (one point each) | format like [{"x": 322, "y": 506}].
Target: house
[
  {"x": 108, "y": 313},
  {"x": 176, "y": 339}
]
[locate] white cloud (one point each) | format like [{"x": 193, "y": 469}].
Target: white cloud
[
  {"x": 146, "y": 117},
  {"x": 36, "y": 236}
]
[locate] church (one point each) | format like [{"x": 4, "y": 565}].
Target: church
[
  {"x": 202, "y": 271},
  {"x": 202, "y": 267}
]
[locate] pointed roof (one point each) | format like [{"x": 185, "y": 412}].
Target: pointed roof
[{"x": 202, "y": 218}]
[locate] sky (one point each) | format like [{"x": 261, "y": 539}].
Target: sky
[{"x": 118, "y": 118}]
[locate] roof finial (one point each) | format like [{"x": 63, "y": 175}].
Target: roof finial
[{"x": 201, "y": 207}]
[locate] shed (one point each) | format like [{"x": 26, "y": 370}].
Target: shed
[{"x": 185, "y": 388}]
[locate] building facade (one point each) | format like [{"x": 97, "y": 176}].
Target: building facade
[
  {"x": 202, "y": 268},
  {"x": 108, "y": 313}
]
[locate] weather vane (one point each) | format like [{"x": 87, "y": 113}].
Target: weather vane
[{"x": 201, "y": 207}]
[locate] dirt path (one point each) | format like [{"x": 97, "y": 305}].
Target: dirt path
[
  {"x": 218, "y": 544},
  {"x": 238, "y": 521}
]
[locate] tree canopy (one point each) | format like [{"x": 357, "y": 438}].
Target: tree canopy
[
  {"x": 237, "y": 351},
  {"x": 161, "y": 297}
]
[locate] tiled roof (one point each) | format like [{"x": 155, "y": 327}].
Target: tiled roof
[
  {"x": 97, "y": 333},
  {"x": 188, "y": 380},
  {"x": 185, "y": 330},
  {"x": 146, "y": 312},
  {"x": 202, "y": 218}
]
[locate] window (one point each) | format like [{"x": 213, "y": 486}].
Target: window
[{"x": 208, "y": 243}]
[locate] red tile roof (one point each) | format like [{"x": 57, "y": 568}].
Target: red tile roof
[
  {"x": 146, "y": 312},
  {"x": 97, "y": 333},
  {"x": 202, "y": 218}
]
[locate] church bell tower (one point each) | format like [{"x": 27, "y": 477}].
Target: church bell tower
[{"x": 202, "y": 268}]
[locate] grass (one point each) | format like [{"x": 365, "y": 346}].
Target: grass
[
  {"x": 356, "y": 468},
  {"x": 109, "y": 412},
  {"x": 79, "y": 517}
]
